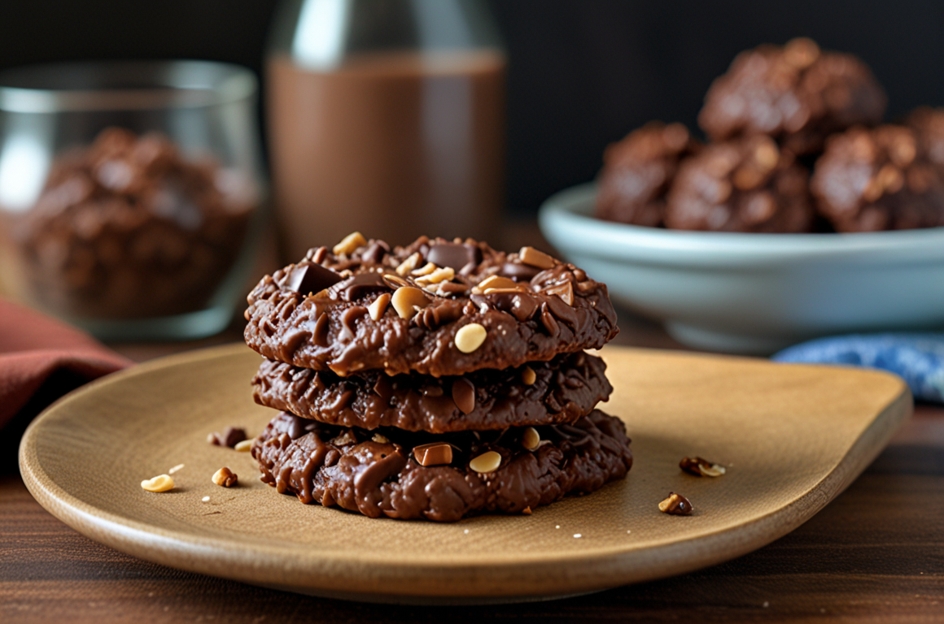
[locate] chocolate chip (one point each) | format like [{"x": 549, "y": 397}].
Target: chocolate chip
[
  {"x": 360, "y": 285},
  {"x": 454, "y": 255},
  {"x": 383, "y": 388},
  {"x": 310, "y": 278},
  {"x": 463, "y": 393},
  {"x": 433, "y": 454},
  {"x": 230, "y": 437},
  {"x": 518, "y": 271},
  {"x": 375, "y": 252}
]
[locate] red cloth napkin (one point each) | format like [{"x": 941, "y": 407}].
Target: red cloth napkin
[{"x": 34, "y": 348}]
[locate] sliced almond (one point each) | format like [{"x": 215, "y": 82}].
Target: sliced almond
[
  {"x": 530, "y": 438},
  {"x": 488, "y": 461},
  {"x": 470, "y": 337},
  {"x": 160, "y": 483},
  {"x": 409, "y": 264},
  {"x": 349, "y": 244},
  {"x": 379, "y": 306},
  {"x": 426, "y": 269},
  {"x": 535, "y": 258},
  {"x": 407, "y": 300}
]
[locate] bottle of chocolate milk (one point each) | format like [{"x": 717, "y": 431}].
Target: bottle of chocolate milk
[{"x": 386, "y": 117}]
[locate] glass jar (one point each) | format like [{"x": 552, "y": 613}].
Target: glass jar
[
  {"x": 130, "y": 194},
  {"x": 386, "y": 117}
]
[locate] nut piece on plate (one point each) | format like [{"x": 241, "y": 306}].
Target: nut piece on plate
[
  {"x": 797, "y": 94},
  {"x": 879, "y": 179},
  {"x": 638, "y": 170},
  {"x": 225, "y": 477},
  {"x": 747, "y": 185},
  {"x": 160, "y": 483},
  {"x": 701, "y": 467},
  {"x": 676, "y": 505}
]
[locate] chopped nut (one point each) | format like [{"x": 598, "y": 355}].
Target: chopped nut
[
  {"x": 225, "y": 477},
  {"x": 160, "y": 483},
  {"x": 426, "y": 269},
  {"x": 495, "y": 281},
  {"x": 531, "y": 439},
  {"x": 565, "y": 291},
  {"x": 349, "y": 243},
  {"x": 700, "y": 467},
  {"x": 676, "y": 505},
  {"x": 437, "y": 276},
  {"x": 470, "y": 337},
  {"x": 407, "y": 299},
  {"x": 380, "y": 438},
  {"x": 175, "y": 469},
  {"x": 535, "y": 258},
  {"x": 378, "y": 307},
  {"x": 528, "y": 376},
  {"x": 244, "y": 447},
  {"x": 394, "y": 281},
  {"x": 347, "y": 437},
  {"x": 409, "y": 264},
  {"x": 433, "y": 454},
  {"x": 488, "y": 461},
  {"x": 526, "y": 511}
]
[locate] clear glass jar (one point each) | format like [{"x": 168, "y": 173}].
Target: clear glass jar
[
  {"x": 386, "y": 117},
  {"x": 130, "y": 193}
]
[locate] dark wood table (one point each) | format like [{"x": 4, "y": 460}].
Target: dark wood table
[{"x": 875, "y": 553}]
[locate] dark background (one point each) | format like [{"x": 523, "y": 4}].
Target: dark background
[{"x": 582, "y": 72}]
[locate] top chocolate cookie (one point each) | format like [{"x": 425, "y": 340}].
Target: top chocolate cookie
[
  {"x": 435, "y": 307},
  {"x": 796, "y": 94}
]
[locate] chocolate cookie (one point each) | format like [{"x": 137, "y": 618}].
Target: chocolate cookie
[
  {"x": 415, "y": 475},
  {"x": 747, "y": 185},
  {"x": 436, "y": 307},
  {"x": 795, "y": 93},
  {"x": 879, "y": 179},
  {"x": 560, "y": 391},
  {"x": 638, "y": 170},
  {"x": 128, "y": 227}
]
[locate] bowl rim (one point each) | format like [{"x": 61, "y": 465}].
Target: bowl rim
[
  {"x": 123, "y": 85},
  {"x": 567, "y": 222}
]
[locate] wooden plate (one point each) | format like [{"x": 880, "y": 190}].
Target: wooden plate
[{"x": 792, "y": 436}]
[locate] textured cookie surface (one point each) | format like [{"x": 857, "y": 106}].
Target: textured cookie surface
[
  {"x": 436, "y": 307},
  {"x": 638, "y": 171},
  {"x": 745, "y": 185},
  {"x": 560, "y": 391},
  {"x": 380, "y": 474},
  {"x": 796, "y": 94},
  {"x": 882, "y": 178}
]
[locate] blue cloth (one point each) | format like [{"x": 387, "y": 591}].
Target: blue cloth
[{"x": 917, "y": 358}]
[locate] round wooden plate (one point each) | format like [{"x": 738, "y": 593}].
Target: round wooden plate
[{"x": 793, "y": 437}]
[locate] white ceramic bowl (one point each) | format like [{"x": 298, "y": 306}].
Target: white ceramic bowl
[{"x": 755, "y": 293}]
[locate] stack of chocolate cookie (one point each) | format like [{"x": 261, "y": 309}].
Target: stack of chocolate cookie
[{"x": 434, "y": 381}]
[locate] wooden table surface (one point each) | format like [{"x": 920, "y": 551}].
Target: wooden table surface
[{"x": 876, "y": 553}]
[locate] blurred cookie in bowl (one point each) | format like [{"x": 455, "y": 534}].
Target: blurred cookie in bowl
[
  {"x": 882, "y": 178},
  {"x": 745, "y": 185},
  {"x": 638, "y": 170},
  {"x": 796, "y": 94}
]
